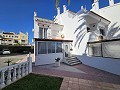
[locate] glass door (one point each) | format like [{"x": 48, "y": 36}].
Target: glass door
[{"x": 66, "y": 50}]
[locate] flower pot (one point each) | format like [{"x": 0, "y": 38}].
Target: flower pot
[{"x": 57, "y": 64}]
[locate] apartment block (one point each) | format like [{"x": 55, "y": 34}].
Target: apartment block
[{"x": 11, "y": 38}]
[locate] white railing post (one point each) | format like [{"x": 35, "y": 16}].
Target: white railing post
[
  {"x": 19, "y": 72},
  {"x": 2, "y": 85},
  {"x": 23, "y": 70},
  {"x": 14, "y": 74},
  {"x": 29, "y": 59},
  {"x": 26, "y": 69},
  {"x": 9, "y": 76}
]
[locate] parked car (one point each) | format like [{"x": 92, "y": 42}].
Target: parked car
[
  {"x": 6, "y": 51},
  {"x": 0, "y": 52}
]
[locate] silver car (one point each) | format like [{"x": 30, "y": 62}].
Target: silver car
[{"x": 6, "y": 51}]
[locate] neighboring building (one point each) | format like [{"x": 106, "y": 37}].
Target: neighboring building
[
  {"x": 85, "y": 35},
  {"x": 1, "y": 39},
  {"x": 14, "y": 39}
]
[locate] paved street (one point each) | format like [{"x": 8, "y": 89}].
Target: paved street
[{"x": 14, "y": 57}]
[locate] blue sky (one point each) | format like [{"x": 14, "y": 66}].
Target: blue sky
[{"x": 17, "y": 15}]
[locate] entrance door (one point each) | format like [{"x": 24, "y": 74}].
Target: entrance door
[{"x": 67, "y": 50}]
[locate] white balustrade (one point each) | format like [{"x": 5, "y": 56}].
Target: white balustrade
[
  {"x": 2, "y": 79},
  {"x": 12, "y": 73},
  {"x": 19, "y": 72},
  {"x": 8, "y": 76}
]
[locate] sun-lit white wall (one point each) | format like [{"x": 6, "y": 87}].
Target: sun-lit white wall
[
  {"x": 36, "y": 29},
  {"x": 74, "y": 29},
  {"x": 112, "y": 14}
]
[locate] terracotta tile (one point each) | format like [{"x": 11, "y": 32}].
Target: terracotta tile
[
  {"x": 103, "y": 84},
  {"x": 84, "y": 87},
  {"x": 69, "y": 85},
  {"x": 69, "y": 88},
  {"x": 116, "y": 86},
  {"x": 64, "y": 84}
]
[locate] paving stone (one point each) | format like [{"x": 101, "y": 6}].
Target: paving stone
[
  {"x": 94, "y": 79},
  {"x": 116, "y": 86}
]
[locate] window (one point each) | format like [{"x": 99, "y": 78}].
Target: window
[
  {"x": 42, "y": 47},
  {"x": 40, "y": 32},
  {"x": 58, "y": 47},
  {"x": 102, "y": 32},
  {"x": 9, "y": 40},
  {"x": 15, "y": 41},
  {"x": 16, "y": 36},
  {"x": 51, "y": 47},
  {"x": 45, "y": 32},
  {"x": 23, "y": 41}
]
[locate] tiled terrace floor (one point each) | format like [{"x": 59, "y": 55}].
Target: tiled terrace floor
[{"x": 81, "y": 77}]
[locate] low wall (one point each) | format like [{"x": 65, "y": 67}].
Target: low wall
[
  {"x": 107, "y": 64},
  {"x": 42, "y": 59},
  {"x": 17, "y": 49}
]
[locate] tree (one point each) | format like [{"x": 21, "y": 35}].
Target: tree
[
  {"x": 68, "y": 1},
  {"x": 58, "y": 1}
]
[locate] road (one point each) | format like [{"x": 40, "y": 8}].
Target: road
[{"x": 13, "y": 57}]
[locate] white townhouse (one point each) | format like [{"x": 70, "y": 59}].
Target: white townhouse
[{"x": 91, "y": 37}]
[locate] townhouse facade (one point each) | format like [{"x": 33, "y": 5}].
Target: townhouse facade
[{"x": 92, "y": 36}]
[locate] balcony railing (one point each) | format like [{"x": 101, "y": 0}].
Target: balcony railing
[{"x": 12, "y": 73}]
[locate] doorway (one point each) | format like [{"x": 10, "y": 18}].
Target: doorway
[{"x": 66, "y": 50}]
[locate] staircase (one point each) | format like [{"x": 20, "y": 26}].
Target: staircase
[{"x": 72, "y": 61}]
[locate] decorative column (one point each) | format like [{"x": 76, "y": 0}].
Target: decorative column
[
  {"x": 23, "y": 70},
  {"x": 26, "y": 69},
  {"x": 29, "y": 59},
  {"x": 9, "y": 77},
  {"x": 19, "y": 72},
  {"x": 14, "y": 74},
  {"x": 2, "y": 85}
]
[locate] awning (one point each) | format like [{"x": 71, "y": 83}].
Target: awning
[
  {"x": 56, "y": 40},
  {"x": 93, "y": 17}
]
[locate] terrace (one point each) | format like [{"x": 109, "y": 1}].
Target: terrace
[{"x": 78, "y": 77}]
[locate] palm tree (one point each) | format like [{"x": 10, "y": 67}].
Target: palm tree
[
  {"x": 58, "y": 1},
  {"x": 68, "y": 1}
]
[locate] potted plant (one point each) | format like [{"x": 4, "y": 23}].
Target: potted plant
[{"x": 57, "y": 62}]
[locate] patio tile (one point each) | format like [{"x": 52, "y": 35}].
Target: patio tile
[
  {"x": 92, "y": 79},
  {"x": 84, "y": 87},
  {"x": 116, "y": 86},
  {"x": 70, "y": 85},
  {"x": 75, "y": 86}
]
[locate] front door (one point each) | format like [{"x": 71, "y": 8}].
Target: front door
[{"x": 66, "y": 50}]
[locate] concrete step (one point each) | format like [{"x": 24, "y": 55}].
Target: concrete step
[
  {"x": 76, "y": 63},
  {"x": 72, "y": 61},
  {"x": 68, "y": 59}
]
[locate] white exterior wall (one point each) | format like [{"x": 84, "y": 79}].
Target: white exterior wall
[
  {"x": 71, "y": 29},
  {"x": 107, "y": 64},
  {"x": 70, "y": 25},
  {"x": 36, "y": 29},
  {"x": 42, "y": 59},
  {"x": 112, "y": 14}
]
